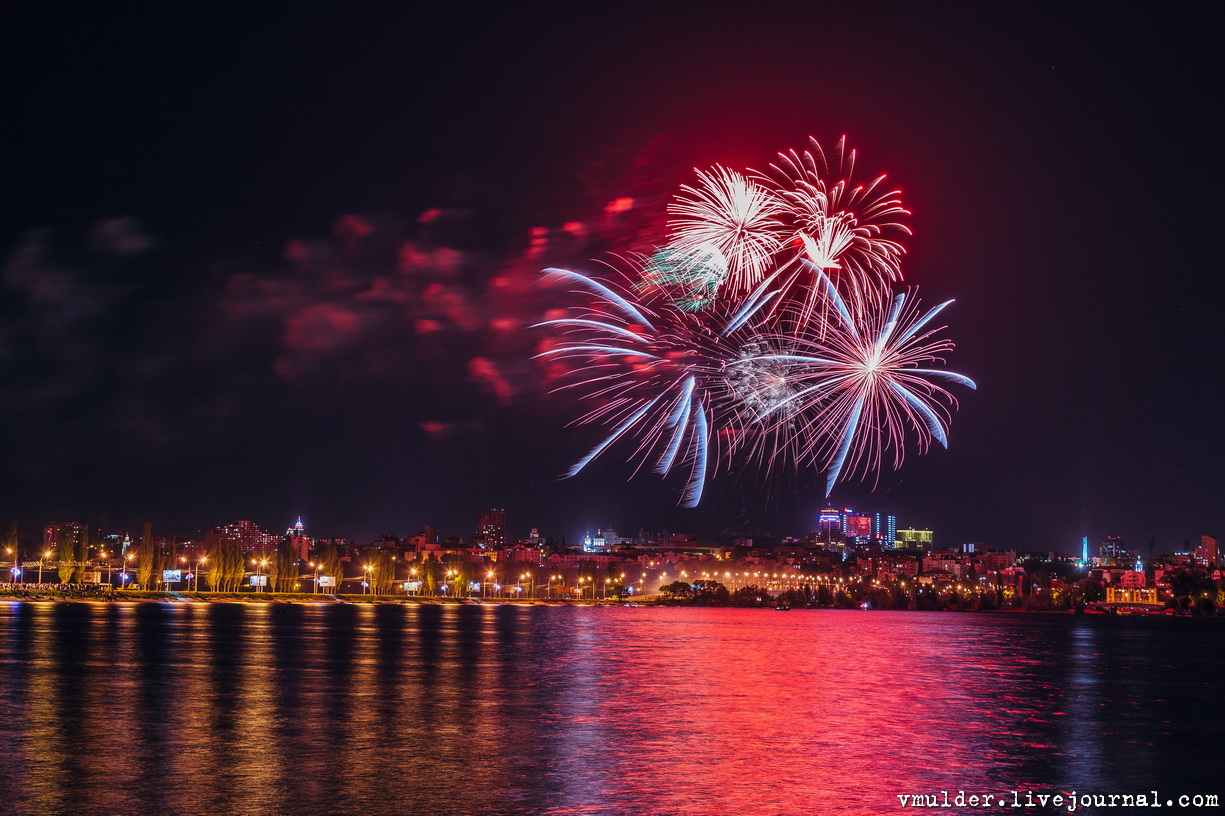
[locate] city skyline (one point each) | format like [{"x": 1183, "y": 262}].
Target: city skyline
[{"x": 490, "y": 532}]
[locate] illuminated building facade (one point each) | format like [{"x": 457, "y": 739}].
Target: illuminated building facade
[
  {"x": 54, "y": 530},
  {"x": 491, "y": 529},
  {"x": 1130, "y": 595},
  {"x": 595, "y": 544},
  {"x": 915, "y": 539},
  {"x": 829, "y": 525},
  {"x": 298, "y": 539},
  {"x": 246, "y": 534},
  {"x": 856, "y": 525},
  {"x": 1114, "y": 551},
  {"x": 1209, "y": 551},
  {"x": 884, "y": 528}
]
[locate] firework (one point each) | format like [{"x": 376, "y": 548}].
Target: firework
[
  {"x": 765, "y": 334},
  {"x": 841, "y": 225},
  {"x": 688, "y": 279},
  {"x": 868, "y": 382},
  {"x": 736, "y": 215},
  {"x": 689, "y": 389}
]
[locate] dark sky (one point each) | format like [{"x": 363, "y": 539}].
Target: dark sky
[{"x": 219, "y": 300}]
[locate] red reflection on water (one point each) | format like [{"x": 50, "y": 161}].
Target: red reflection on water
[{"x": 220, "y": 709}]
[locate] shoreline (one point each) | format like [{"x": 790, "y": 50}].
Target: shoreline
[
  {"x": 309, "y": 599},
  {"x": 286, "y": 599}
]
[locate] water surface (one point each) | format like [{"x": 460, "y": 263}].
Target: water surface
[{"x": 232, "y": 708}]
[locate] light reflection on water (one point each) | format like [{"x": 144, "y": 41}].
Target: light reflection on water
[{"x": 230, "y": 708}]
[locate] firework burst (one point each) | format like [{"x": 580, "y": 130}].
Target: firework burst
[
  {"x": 869, "y": 383},
  {"x": 736, "y": 215},
  {"x": 690, "y": 390},
  {"x": 841, "y": 225},
  {"x": 688, "y": 279}
]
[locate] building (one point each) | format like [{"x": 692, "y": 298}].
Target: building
[
  {"x": 246, "y": 534},
  {"x": 299, "y": 540},
  {"x": 829, "y": 525},
  {"x": 884, "y": 528},
  {"x": 595, "y": 543},
  {"x": 914, "y": 539},
  {"x": 491, "y": 529},
  {"x": 857, "y": 526},
  {"x": 1114, "y": 551},
  {"x": 1126, "y": 595},
  {"x": 53, "y": 531},
  {"x": 1208, "y": 552}
]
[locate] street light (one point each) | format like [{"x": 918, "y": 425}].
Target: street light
[
  {"x": 258, "y": 565},
  {"x": 47, "y": 554},
  {"x": 201, "y": 560},
  {"x": 366, "y": 583},
  {"x": 102, "y": 554}
]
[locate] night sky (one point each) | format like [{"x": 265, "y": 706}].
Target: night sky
[{"x": 220, "y": 299}]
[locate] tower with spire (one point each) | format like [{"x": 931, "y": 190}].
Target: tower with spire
[{"x": 298, "y": 538}]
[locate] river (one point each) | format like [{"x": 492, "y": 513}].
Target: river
[{"x": 151, "y": 708}]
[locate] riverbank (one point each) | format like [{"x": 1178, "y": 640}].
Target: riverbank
[
  {"x": 53, "y": 595},
  {"x": 266, "y": 598}
]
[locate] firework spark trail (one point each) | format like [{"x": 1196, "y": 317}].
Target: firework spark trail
[
  {"x": 865, "y": 384},
  {"x": 673, "y": 379}
]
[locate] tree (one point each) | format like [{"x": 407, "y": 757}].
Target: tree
[
  {"x": 751, "y": 596},
  {"x": 331, "y": 566},
  {"x": 710, "y": 592},
  {"x": 458, "y": 568},
  {"x": 1091, "y": 590},
  {"x": 82, "y": 555},
  {"x": 1190, "y": 583},
  {"x": 67, "y": 554},
  {"x": 431, "y": 570},
  {"x": 226, "y": 567},
  {"x": 614, "y": 578},
  {"x": 144, "y": 558},
  {"x": 677, "y": 591},
  {"x": 10, "y": 541},
  {"x": 283, "y": 567},
  {"x": 824, "y": 596},
  {"x": 383, "y": 574}
]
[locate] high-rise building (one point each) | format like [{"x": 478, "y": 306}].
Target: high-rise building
[
  {"x": 299, "y": 540},
  {"x": 856, "y": 525},
  {"x": 1208, "y": 551},
  {"x": 54, "y": 530},
  {"x": 829, "y": 525},
  {"x": 249, "y": 536},
  {"x": 1114, "y": 550},
  {"x": 884, "y": 527},
  {"x": 491, "y": 529}
]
